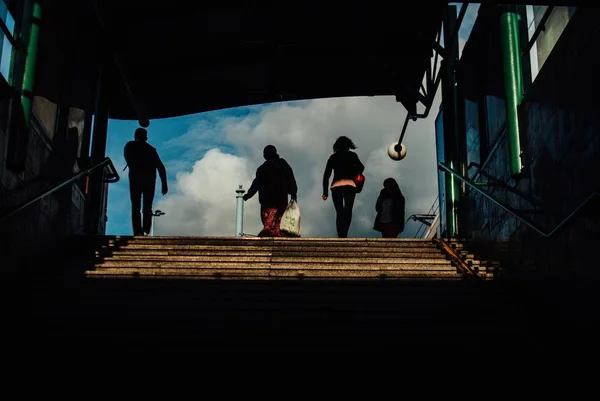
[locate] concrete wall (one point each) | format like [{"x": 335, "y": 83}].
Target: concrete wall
[{"x": 38, "y": 230}]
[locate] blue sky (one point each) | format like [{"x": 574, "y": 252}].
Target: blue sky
[{"x": 207, "y": 155}]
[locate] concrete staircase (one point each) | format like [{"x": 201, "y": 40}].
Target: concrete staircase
[
  {"x": 300, "y": 296},
  {"x": 273, "y": 259}
]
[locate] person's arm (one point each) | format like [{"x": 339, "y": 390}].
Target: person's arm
[
  {"x": 253, "y": 188},
  {"x": 291, "y": 180},
  {"x": 326, "y": 176},
  {"x": 127, "y": 153},
  {"x": 162, "y": 172}
]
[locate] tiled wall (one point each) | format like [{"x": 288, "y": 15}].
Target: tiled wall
[{"x": 560, "y": 127}]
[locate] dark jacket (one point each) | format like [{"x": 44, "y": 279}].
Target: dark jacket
[
  {"x": 274, "y": 181},
  {"x": 398, "y": 206},
  {"x": 143, "y": 161},
  {"x": 344, "y": 164}
]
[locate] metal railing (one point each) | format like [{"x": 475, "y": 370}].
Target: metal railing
[
  {"x": 511, "y": 210},
  {"x": 427, "y": 220},
  {"x": 462, "y": 266},
  {"x": 113, "y": 176}
]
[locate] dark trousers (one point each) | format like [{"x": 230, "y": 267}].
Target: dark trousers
[
  {"x": 390, "y": 230},
  {"x": 343, "y": 201},
  {"x": 141, "y": 191}
]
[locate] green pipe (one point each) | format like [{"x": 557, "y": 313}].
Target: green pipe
[
  {"x": 30, "y": 64},
  {"x": 513, "y": 84},
  {"x": 452, "y": 191}
]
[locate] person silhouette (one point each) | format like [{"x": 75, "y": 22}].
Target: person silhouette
[
  {"x": 390, "y": 207},
  {"x": 274, "y": 180},
  {"x": 345, "y": 164},
  {"x": 143, "y": 161}
]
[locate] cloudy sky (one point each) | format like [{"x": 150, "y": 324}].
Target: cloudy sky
[{"x": 208, "y": 155}]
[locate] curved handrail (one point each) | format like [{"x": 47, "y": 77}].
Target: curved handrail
[
  {"x": 509, "y": 209},
  {"x": 111, "y": 178}
]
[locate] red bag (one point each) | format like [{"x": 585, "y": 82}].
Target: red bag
[{"x": 359, "y": 180}]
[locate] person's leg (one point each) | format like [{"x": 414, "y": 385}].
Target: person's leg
[
  {"x": 280, "y": 210},
  {"x": 349, "y": 194},
  {"x": 270, "y": 222},
  {"x": 264, "y": 219},
  {"x": 387, "y": 230},
  {"x": 135, "y": 192},
  {"x": 338, "y": 203},
  {"x": 147, "y": 200}
]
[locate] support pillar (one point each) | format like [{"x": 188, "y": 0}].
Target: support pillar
[
  {"x": 513, "y": 84},
  {"x": 451, "y": 142},
  {"x": 239, "y": 220},
  {"x": 96, "y": 195}
]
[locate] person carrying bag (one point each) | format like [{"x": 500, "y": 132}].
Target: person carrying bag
[{"x": 290, "y": 221}]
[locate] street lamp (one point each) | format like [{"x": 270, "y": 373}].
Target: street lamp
[{"x": 157, "y": 213}]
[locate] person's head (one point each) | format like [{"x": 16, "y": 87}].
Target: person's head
[
  {"x": 391, "y": 185},
  {"x": 270, "y": 152},
  {"x": 343, "y": 143},
  {"x": 141, "y": 134}
]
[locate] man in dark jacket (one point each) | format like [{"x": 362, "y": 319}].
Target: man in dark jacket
[
  {"x": 274, "y": 181},
  {"x": 143, "y": 162}
]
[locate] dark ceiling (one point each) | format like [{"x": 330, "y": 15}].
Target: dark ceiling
[{"x": 182, "y": 57}]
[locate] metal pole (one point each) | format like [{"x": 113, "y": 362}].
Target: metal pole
[
  {"x": 239, "y": 220},
  {"x": 155, "y": 214},
  {"x": 98, "y": 153},
  {"x": 449, "y": 104},
  {"x": 513, "y": 84}
]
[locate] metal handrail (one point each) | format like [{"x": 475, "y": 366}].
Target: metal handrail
[
  {"x": 461, "y": 265},
  {"x": 433, "y": 211},
  {"x": 501, "y": 184},
  {"x": 107, "y": 162},
  {"x": 511, "y": 210}
]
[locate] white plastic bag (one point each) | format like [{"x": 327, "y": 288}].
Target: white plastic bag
[{"x": 290, "y": 221}]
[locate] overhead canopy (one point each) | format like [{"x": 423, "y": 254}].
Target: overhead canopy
[{"x": 183, "y": 57}]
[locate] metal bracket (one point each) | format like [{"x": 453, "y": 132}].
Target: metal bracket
[
  {"x": 433, "y": 75},
  {"x": 493, "y": 181},
  {"x": 423, "y": 218}
]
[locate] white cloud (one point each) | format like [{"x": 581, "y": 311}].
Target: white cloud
[{"x": 202, "y": 199}]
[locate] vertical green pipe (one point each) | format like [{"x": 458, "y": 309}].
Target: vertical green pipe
[
  {"x": 452, "y": 189},
  {"x": 30, "y": 63},
  {"x": 513, "y": 83},
  {"x": 449, "y": 104}
]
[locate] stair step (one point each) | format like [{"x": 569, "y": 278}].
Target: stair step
[
  {"x": 255, "y": 273},
  {"x": 241, "y": 248},
  {"x": 145, "y": 254},
  {"x": 275, "y": 259},
  {"x": 290, "y": 263},
  {"x": 232, "y": 241}
]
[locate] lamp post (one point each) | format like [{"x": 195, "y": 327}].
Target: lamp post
[
  {"x": 239, "y": 220},
  {"x": 157, "y": 213}
]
